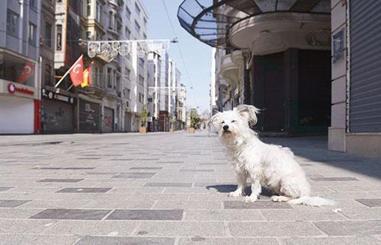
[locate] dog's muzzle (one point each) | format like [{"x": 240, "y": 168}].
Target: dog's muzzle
[{"x": 226, "y": 129}]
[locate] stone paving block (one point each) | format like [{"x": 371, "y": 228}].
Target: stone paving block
[
  {"x": 175, "y": 214},
  {"x": 223, "y": 215},
  {"x": 334, "y": 179},
  {"x": 28, "y": 239},
  {"x": 5, "y": 188},
  {"x": 188, "y": 204},
  {"x": 227, "y": 241},
  {"x": 92, "y": 228},
  {"x": 84, "y": 190},
  {"x": 12, "y": 203},
  {"x": 350, "y": 228},
  {"x": 353, "y": 240},
  {"x": 104, "y": 240},
  {"x": 178, "y": 228},
  {"x": 302, "y": 213},
  {"x": 61, "y": 180},
  {"x": 20, "y": 226},
  {"x": 197, "y": 170},
  {"x": 74, "y": 214},
  {"x": 146, "y": 168},
  {"x": 256, "y": 205},
  {"x": 364, "y": 213},
  {"x": 375, "y": 202},
  {"x": 135, "y": 175},
  {"x": 274, "y": 229},
  {"x": 17, "y": 213},
  {"x": 163, "y": 184}
]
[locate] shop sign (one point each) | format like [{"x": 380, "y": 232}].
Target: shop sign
[{"x": 12, "y": 89}]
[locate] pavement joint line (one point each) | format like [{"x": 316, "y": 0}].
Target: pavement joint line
[{"x": 108, "y": 214}]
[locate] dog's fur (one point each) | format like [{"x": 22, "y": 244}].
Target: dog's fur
[{"x": 272, "y": 166}]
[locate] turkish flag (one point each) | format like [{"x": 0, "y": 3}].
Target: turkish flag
[
  {"x": 76, "y": 73},
  {"x": 26, "y": 73},
  {"x": 86, "y": 77}
]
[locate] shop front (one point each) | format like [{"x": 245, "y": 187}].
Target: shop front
[
  {"x": 89, "y": 116},
  {"x": 108, "y": 120},
  {"x": 19, "y": 108},
  {"x": 57, "y": 112}
]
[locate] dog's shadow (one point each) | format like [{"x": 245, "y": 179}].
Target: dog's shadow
[{"x": 229, "y": 188}]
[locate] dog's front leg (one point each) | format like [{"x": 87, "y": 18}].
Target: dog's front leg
[
  {"x": 256, "y": 189},
  {"x": 241, "y": 179}
]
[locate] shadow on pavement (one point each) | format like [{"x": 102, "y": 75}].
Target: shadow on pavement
[
  {"x": 230, "y": 188},
  {"x": 315, "y": 149}
]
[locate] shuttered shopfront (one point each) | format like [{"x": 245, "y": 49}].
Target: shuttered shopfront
[{"x": 365, "y": 66}]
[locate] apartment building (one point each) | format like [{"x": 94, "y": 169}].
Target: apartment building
[{"x": 20, "y": 66}]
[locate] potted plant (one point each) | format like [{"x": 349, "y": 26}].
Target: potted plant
[
  {"x": 194, "y": 121},
  {"x": 143, "y": 120}
]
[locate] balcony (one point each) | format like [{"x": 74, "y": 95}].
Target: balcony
[
  {"x": 231, "y": 66},
  {"x": 277, "y": 32}
]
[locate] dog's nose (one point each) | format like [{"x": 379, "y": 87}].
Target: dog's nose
[{"x": 226, "y": 127}]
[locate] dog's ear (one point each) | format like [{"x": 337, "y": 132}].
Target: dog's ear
[
  {"x": 248, "y": 112},
  {"x": 215, "y": 119}
]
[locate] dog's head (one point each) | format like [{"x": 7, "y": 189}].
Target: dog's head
[{"x": 235, "y": 123}]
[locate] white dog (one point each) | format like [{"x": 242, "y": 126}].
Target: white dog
[{"x": 267, "y": 165}]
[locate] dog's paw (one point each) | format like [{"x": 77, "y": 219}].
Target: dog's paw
[
  {"x": 280, "y": 199},
  {"x": 235, "y": 194},
  {"x": 251, "y": 198}
]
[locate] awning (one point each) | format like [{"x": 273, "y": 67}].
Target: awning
[{"x": 210, "y": 20}]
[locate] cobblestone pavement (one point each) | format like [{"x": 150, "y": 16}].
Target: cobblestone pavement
[{"x": 171, "y": 188}]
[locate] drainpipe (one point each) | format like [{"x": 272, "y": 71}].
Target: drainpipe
[{"x": 21, "y": 22}]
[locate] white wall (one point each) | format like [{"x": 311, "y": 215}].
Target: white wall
[{"x": 16, "y": 115}]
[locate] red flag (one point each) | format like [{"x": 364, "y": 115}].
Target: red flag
[
  {"x": 76, "y": 73},
  {"x": 86, "y": 77},
  {"x": 26, "y": 73}
]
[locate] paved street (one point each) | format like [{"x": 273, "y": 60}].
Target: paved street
[{"x": 171, "y": 188}]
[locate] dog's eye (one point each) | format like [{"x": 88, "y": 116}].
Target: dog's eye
[
  {"x": 223, "y": 122},
  {"x": 233, "y": 121}
]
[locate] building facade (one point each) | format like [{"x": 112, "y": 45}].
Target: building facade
[
  {"x": 20, "y": 67},
  {"x": 274, "y": 55},
  {"x": 356, "y": 78}
]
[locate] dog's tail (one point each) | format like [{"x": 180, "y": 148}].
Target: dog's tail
[{"x": 312, "y": 201}]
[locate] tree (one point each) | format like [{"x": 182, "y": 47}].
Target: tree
[
  {"x": 143, "y": 117},
  {"x": 194, "y": 118}
]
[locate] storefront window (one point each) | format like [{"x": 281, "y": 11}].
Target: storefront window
[{"x": 17, "y": 70}]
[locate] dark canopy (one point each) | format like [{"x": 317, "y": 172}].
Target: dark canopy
[{"x": 207, "y": 19}]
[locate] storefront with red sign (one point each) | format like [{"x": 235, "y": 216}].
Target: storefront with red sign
[{"x": 19, "y": 108}]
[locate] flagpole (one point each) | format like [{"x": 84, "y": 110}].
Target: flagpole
[{"x": 68, "y": 71}]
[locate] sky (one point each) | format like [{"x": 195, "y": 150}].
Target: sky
[{"x": 196, "y": 62}]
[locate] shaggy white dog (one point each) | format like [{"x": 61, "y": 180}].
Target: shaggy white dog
[{"x": 262, "y": 164}]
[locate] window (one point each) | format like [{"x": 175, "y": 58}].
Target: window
[
  {"x": 128, "y": 33},
  {"x": 137, "y": 9},
  {"x": 109, "y": 77},
  {"x": 48, "y": 75},
  {"x": 128, "y": 93},
  {"x": 88, "y": 8},
  {"x": 88, "y": 35},
  {"x": 128, "y": 13},
  {"x": 32, "y": 35},
  {"x": 144, "y": 36},
  {"x": 128, "y": 74},
  {"x": 48, "y": 35},
  {"x": 98, "y": 16},
  {"x": 59, "y": 38},
  {"x": 137, "y": 26},
  {"x": 33, "y": 4},
  {"x": 141, "y": 98},
  {"x": 141, "y": 62},
  {"x": 110, "y": 20},
  {"x": 141, "y": 80},
  {"x": 12, "y": 23}
]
